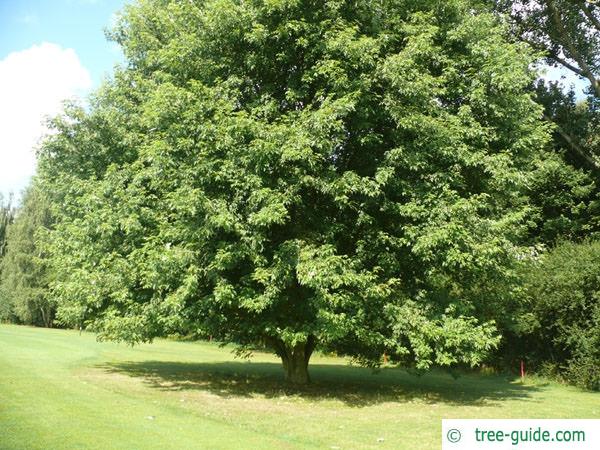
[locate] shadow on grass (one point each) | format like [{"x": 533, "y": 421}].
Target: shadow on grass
[{"x": 355, "y": 386}]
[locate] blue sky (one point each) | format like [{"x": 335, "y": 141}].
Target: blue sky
[
  {"x": 76, "y": 24},
  {"x": 50, "y": 50}
]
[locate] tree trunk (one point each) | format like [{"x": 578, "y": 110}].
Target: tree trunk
[
  {"x": 295, "y": 365},
  {"x": 295, "y": 360},
  {"x": 46, "y": 316}
]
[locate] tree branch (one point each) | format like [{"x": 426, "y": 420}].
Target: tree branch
[
  {"x": 589, "y": 14},
  {"x": 568, "y": 43},
  {"x": 553, "y": 55},
  {"x": 573, "y": 145}
]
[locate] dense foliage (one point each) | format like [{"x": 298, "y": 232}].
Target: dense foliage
[
  {"x": 561, "y": 317},
  {"x": 6, "y": 218},
  {"x": 567, "y": 32},
  {"x": 300, "y": 174},
  {"x": 362, "y": 177},
  {"x": 24, "y": 294},
  {"x": 565, "y": 192}
]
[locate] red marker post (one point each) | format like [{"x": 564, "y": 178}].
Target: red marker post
[{"x": 522, "y": 371}]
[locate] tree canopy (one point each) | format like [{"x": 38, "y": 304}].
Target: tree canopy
[
  {"x": 348, "y": 175},
  {"x": 6, "y": 218},
  {"x": 560, "y": 318},
  {"x": 567, "y": 32},
  {"x": 23, "y": 269}
]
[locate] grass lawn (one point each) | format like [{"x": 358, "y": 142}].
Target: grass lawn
[{"x": 63, "y": 390}]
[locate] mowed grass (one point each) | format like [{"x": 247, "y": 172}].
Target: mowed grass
[{"x": 64, "y": 390}]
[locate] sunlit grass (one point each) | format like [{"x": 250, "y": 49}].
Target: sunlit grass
[{"x": 62, "y": 390}]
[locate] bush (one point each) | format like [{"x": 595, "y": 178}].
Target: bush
[{"x": 561, "y": 321}]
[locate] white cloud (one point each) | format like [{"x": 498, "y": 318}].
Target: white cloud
[{"x": 33, "y": 85}]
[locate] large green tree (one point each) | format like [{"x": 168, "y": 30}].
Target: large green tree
[{"x": 342, "y": 174}]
